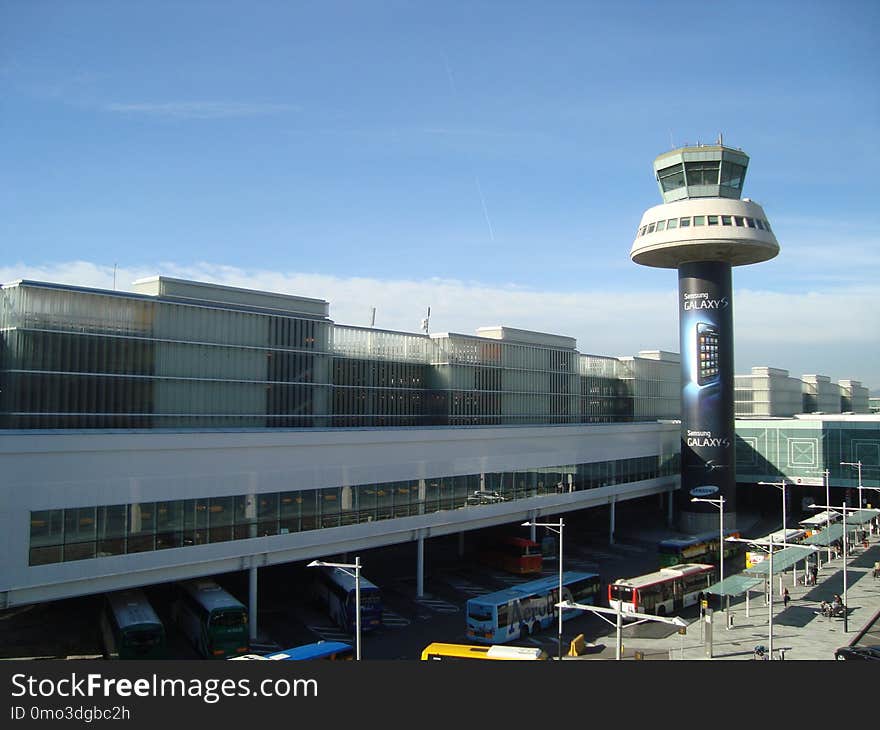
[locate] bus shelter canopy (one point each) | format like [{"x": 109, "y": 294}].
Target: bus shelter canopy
[
  {"x": 826, "y": 536},
  {"x": 734, "y": 585},
  {"x": 861, "y": 517},
  {"x": 782, "y": 560}
]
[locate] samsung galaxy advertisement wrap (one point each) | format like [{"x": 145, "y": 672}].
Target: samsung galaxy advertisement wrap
[{"x": 707, "y": 425}]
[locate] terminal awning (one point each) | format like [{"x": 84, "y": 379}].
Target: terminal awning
[
  {"x": 735, "y": 585},
  {"x": 782, "y": 560}
]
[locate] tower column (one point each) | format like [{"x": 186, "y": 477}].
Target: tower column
[{"x": 707, "y": 405}]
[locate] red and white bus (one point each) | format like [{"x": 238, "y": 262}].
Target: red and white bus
[
  {"x": 514, "y": 554},
  {"x": 663, "y": 592}
]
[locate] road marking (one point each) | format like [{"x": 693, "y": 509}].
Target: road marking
[
  {"x": 389, "y": 618},
  {"x": 437, "y": 605},
  {"x": 330, "y": 633}
]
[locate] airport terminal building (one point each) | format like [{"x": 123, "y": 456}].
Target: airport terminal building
[{"x": 186, "y": 429}]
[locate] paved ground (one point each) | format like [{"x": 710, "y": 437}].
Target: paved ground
[{"x": 799, "y": 632}]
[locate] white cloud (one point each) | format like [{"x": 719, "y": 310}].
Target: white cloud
[{"x": 832, "y": 332}]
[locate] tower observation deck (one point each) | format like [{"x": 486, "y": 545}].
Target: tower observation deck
[{"x": 703, "y": 228}]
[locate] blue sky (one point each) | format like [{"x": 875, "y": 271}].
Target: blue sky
[{"x": 490, "y": 160}]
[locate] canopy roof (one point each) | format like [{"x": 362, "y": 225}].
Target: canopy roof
[
  {"x": 782, "y": 560},
  {"x": 826, "y": 537},
  {"x": 735, "y": 585}
]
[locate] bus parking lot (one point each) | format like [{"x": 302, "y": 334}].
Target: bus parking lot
[{"x": 69, "y": 629}]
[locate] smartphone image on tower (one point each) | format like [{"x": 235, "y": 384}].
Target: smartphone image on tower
[{"x": 707, "y": 353}]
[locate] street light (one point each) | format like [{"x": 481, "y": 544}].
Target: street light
[
  {"x": 843, "y": 509},
  {"x": 719, "y": 503},
  {"x": 826, "y": 475},
  {"x": 345, "y": 568},
  {"x": 779, "y": 485},
  {"x": 771, "y": 544},
  {"x": 859, "y": 465},
  {"x": 557, "y": 528}
]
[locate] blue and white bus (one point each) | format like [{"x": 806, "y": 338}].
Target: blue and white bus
[
  {"x": 328, "y": 650},
  {"x": 528, "y": 607},
  {"x": 334, "y": 589}
]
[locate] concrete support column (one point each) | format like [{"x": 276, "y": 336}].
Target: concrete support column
[
  {"x": 252, "y": 604},
  {"x": 420, "y": 566},
  {"x": 611, "y": 524}
]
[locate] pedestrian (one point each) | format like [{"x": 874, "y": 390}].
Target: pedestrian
[
  {"x": 814, "y": 575},
  {"x": 785, "y": 597}
]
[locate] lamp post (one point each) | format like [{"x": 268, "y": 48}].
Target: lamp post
[
  {"x": 826, "y": 475},
  {"x": 719, "y": 503},
  {"x": 779, "y": 485},
  {"x": 770, "y": 545},
  {"x": 345, "y": 568},
  {"x": 557, "y": 528},
  {"x": 859, "y": 465}
]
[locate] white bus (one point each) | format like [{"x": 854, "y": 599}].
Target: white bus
[
  {"x": 790, "y": 536},
  {"x": 664, "y": 591}
]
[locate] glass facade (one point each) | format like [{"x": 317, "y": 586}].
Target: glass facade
[
  {"x": 74, "y": 358},
  {"x": 64, "y": 535}
]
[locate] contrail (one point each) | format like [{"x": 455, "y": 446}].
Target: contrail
[
  {"x": 485, "y": 210},
  {"x": 476, "y": 179}
]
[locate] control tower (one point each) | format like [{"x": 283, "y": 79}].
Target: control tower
[{"x": 703, "y": 229}]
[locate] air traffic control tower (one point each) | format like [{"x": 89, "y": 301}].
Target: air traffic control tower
[{"x": 703, "y": 228}]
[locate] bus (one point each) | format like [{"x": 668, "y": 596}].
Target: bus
[
  {"x": 521, "y": 610},
  {"x": 790, "y": 536},
  {"x": 664, "y": 591},
  {"x": 815, "y": 523},
  {"x": 328, "y": 650},
  {"x": 334, "y": 589},
  {"x": 513, "y": 554},
  {"x": 215, "y": 622},
  {"x": 438, "y": 651},
  {"x": 130, "y": 627},
  {"x": 702, "y": 548}
]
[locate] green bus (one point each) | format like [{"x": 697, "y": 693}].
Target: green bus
[
  {"x": 215, "y": 622},
  {"x": 130, "y": 627}
]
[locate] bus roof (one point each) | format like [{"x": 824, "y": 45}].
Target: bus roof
[
  {"x": 469, "y": 651},
  {"x": 318, "y": 650},
  {"x": 131, "y": 608},
  {"x": 210, "y": 595},
  {"x": 782, "y": 535},
  {"x": 539, "y": 585},
  {"x": 695, "y": 539},
  {"x": 673, "y": 571},
  {"x": 820, "y": 519},
  {"x": 521, "y": 542},
  {"x": 346, "y": 580}
]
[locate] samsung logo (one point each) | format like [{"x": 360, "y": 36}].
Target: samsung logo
[{"x": 703, "y": 491}]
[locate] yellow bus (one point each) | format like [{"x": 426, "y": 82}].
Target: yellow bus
[{"x": 439, "y": 651}]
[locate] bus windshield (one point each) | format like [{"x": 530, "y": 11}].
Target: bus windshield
[
  {"x": 143, "y": 639},
  {"x": 480, "y": 613},
  {"x": 228, "y": 619}
]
